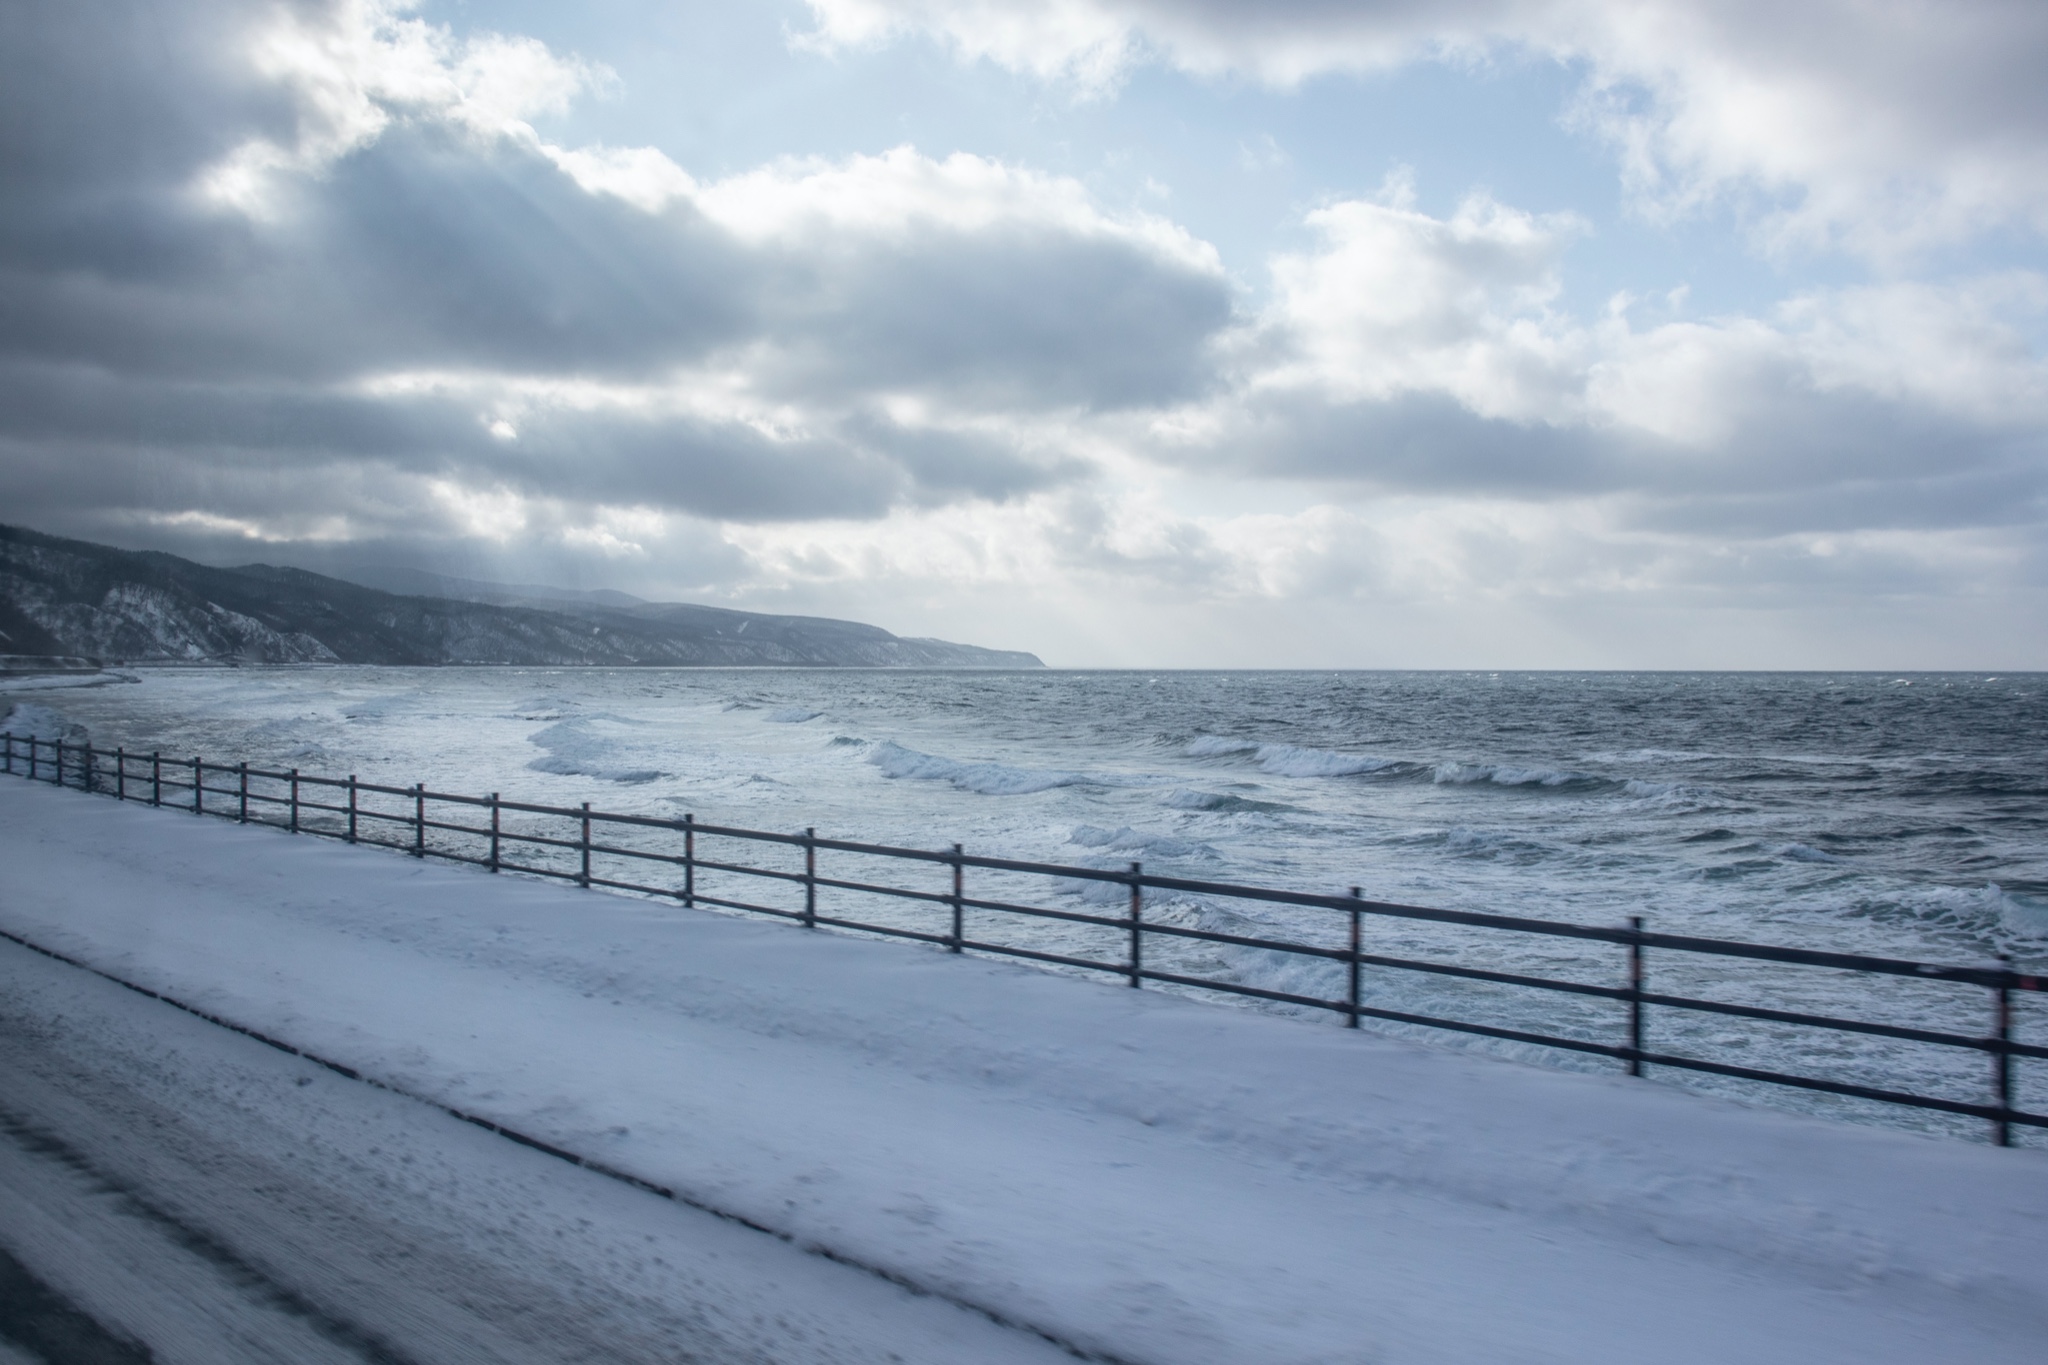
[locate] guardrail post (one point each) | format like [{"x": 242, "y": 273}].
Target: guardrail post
[
  {"x": 33, "y": 755},
  {"x": 198, "y": 786},
  {"x": 583, "y": 877},
  {"x": 1137, "y": 972},
  {"x": 494, "y": 832},
  {"x": 1635, "y": 996},
  {"x": 689, "y": 861},
  {"x": 419, "y": 819},
  {"x": 959, "y": 900},
  {"x": 120, "y": 773},
  {"x": 156, "y": 777},
  {"x": 1357, "y": 943},
  {"x": 8, "y": 736},
  {"x": 243, "y": 792},
  {"x": 2001, "y": 1021},
  {"x": 295, "y": 800},
  {"x": 351, "y": 807},
  {"x": 59, "y": 779},
  {"x": 810, "y": 878},
  {"x": 89, "y": 770}
]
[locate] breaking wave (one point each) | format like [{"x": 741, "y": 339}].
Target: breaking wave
[
  {"x": 1509, "y": 775},
  {"x": 1124, "y": 839},
  {"x": 989, "y": 779},
  {"x": 1189, "y": 798},
  {"x": 1214, "y": 746},
  {"x": 576, "y": 748},
  {"x": 1293, "y": 760},
  {"x": 2011, "y": 919},
  {"x": 1805, "y": 853},
  {"x": 24, "y": 718}
]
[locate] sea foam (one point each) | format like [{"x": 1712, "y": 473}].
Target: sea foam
[
  {"x": 577, "y": 748},
  {"x": 1292, "y": 760},
  {"x": 989, "y": 779}
]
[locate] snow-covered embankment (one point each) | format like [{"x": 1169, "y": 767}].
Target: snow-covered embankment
[{"x": 1134, "y": 1175}]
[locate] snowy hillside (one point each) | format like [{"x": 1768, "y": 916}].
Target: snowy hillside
[{"x": 73, "y": 597}]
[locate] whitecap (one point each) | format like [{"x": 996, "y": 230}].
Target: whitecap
[
  {"x": 989, "y": 779},
  {"x": 1189, "y": 798},
  {"x": 1214, "y": 746},
  {"x": 1509, "y": 775},
  {"x": 576, "y": 749},
  {"x": 1127, "y": 840},
  {"x": 1806, "y": 853},
  {"x": 1291, "y": 760},
  {"x": 25, "y": 719}
]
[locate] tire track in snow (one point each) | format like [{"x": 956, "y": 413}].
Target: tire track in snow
[{"x": 546, "y": 1148}]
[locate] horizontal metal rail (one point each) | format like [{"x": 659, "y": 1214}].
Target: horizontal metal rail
[{"x": 570, "y": 850}]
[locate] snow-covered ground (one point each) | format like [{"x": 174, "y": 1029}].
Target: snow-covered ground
[{"x": 1138, "y": 1176}]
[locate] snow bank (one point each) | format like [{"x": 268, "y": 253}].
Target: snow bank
[{"x": 1148, "y": 1177}]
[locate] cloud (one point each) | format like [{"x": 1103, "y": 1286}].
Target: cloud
[
  {"x": 312, "y": 277},
  {"x": 1395, "y": 301},
  {"x": 1881, "y": 130},
  {"x": 364, "y": 254},
  {"x": 1431, "y": 355}
]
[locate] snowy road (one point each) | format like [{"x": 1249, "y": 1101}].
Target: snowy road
[
  {"x": 1149, "y": 1178},
  {"x": 221, "y": 1202}
]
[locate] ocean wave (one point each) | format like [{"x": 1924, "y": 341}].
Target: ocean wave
[
  {"x": 1215, "y": 746},
  {"x": 792, "y": 715},
  {"x": 1289, "y": 760},
  {"x": 1124, "y": 839},
  {"x": 52, "y": 682},
  {"x": 1805, "y": 853},
  {"x": 576, "y": 749},
  {"x": 1484, "y": 845},
  {"x": 2012, "y": 919},
  {"x": 1188, "y": 798},
  {"x": 989, "y": 779},
  {"x": 1510, "y": 775},
  {"x": 1476, "y": 843},
  {"x": 1676, "y": 797},
  {"x": 1293, "y": 760},
  {"x": 24, "y": 719}
]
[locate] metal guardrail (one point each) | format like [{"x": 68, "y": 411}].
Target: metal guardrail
[{"x": 286, "y": 798}]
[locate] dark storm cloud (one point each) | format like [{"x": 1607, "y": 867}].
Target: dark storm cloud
[
  {"x": 424, "y": 250},
  {"x": 1016, "y": 317},
  {"x": 1792, "y": 458},
  {"x": 156, "y": 443},
  {"x": 154, "y": 346},
  {"x": 1422, "y": 442},
  {"x": 451, "y": 254}
]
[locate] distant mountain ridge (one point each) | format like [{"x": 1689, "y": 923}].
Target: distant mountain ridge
[{"x": 61, "y": 596}]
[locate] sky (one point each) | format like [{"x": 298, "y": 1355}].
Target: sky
[{"x": 1305, "y": 333}]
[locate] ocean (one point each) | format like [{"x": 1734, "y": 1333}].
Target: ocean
[{"x": 1898, "y": 814}]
